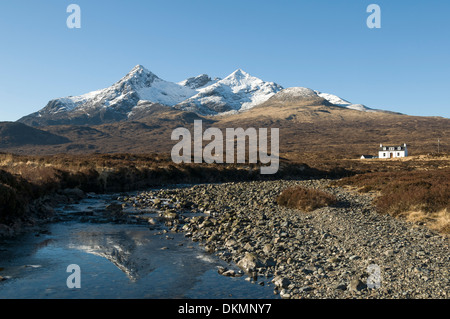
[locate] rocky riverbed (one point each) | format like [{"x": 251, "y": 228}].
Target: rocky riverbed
[{"x": 344, "y": 251}]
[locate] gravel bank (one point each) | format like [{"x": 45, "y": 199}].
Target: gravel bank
[{"x": 344, "y": 251}]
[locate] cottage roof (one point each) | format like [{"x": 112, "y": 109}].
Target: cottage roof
[{"x": 393, "y": 148}]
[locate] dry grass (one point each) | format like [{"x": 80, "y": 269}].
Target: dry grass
[
  {"x": 419, "y": 196},
  {"x": 305, "y": 199},
  {"x": 439, "y": 221}
]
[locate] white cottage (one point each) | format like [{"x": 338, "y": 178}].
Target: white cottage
[{"x": 392, "y": 151}]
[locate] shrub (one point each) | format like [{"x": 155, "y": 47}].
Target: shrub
[
  {"x": 305, "y": 199},
  {"x": 13, "y": 195}
]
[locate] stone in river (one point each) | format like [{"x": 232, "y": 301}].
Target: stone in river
[
  {"x": 250, "y": 262},
  {"x": 281, "y": 282}
]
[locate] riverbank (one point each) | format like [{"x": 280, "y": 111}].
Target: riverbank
[
  {"x": 344, "y": 251},
  {"x": 34, "y": 214}
]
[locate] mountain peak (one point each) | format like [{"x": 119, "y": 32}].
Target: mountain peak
[
  {"x": 240, "y": 78},
  {"x": 294, "y": 94},
  {"x": 138, "y": 77},
  {"x": 298, "y": 91},
  {"x": 139, "y": 69},
  {"x": 239, "y": 73}
]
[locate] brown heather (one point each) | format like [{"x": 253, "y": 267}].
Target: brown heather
[{"x": 305, "y": 199}]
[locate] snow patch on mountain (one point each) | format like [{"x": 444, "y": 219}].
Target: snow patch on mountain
[
  {"x": 336, "y": 100},
  {"x": 333, "y": 99},
  {"x": 166, "y": 93}
]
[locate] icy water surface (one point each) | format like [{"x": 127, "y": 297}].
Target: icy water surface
[{"x": 116, "y": 261}]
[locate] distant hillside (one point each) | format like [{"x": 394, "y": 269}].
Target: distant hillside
[
  {"x": 13, "y": 134},
  {"x": 309, "y": 125}
]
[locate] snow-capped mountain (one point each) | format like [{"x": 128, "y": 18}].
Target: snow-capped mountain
[
  {"x": 139, "y": 84},
  {"x": 112, "y": 103},
  {"x": 237, "y": 92},
  {"x": 140, "y": 88}
]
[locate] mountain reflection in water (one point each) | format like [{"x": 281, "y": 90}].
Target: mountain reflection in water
[{"x": 127, "y": 250}]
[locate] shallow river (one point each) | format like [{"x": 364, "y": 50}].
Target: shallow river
[{"x": 116, "y": 261}]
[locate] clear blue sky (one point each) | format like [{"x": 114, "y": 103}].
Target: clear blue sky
[{"x": 322, "y": 44}]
